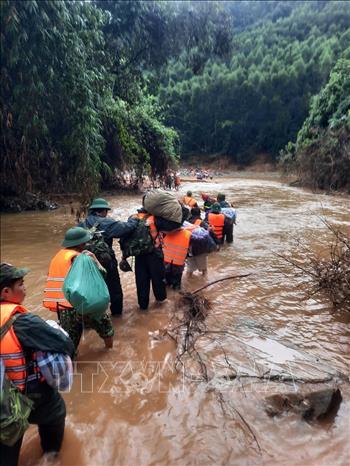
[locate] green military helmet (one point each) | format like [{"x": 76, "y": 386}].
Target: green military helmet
[
  {"x": 75, "y": 236},
  {"x": 99, "y": 203},
  {"x": 215, "y": 208},
  {"x": 9, "y": 272}
]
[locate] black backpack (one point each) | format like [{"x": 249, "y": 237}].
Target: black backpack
[{"x": 139, "y": 242}]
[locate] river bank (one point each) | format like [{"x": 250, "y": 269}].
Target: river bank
[{"x": 260, "y": 169}]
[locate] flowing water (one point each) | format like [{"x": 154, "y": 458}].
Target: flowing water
[{"x": 128, "y": 405}]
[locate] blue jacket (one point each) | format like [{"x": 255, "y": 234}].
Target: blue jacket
[
  {"x": 110, "y": 228},
  {"x": 224, "y": 204}
]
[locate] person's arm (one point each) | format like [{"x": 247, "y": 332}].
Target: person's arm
[
  {"x": 119, "y": 229},
  {"x": 34, "y": 334},
  {"x": 97, "y": 262}
]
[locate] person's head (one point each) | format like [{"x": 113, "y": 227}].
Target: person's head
[
  {"x": 221, "y": 197},
  {"x": 215, "y": 208},
  {"x": 12, "y": 287},
  {"x": 100, "y": 207},
  {"x": 204, "y": 196},
  {"x": 196, "y": 212},
  {"x": 189, "y": 193},
  {"x": 76, "y": 238}
]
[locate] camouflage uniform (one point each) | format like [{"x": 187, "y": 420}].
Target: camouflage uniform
[{"x": 73, "y": 323}]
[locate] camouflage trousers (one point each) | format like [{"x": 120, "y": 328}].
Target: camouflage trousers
[{"x": 74, "y": 324}]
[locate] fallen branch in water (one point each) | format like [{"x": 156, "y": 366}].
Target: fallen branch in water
[
  {"x": 329, "y": 276},
  {"x": 231, "y": 277},
  {"x": 189, "y": 325},
  {"x": 247, "y": 426},
  {"x": 278, "y": 378},
  {"x": 192, "y": 322}
]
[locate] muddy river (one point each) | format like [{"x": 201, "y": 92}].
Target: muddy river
[{"x": 129, "y": 406}]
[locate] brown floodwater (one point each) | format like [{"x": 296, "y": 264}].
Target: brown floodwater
[{"x": 128, "y": 405}]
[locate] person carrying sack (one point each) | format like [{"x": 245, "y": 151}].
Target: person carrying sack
[
  {"x": 23, "y": 334},
  {"x": 149, "y": 267},
  {"x": 230, "y": 220},
  {"x": 73, "y": 244},
  {"x": 110, "y": 229}
]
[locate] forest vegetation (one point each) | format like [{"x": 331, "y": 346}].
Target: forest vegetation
[
  {"x": 321, "y": 154},
  {"x": 88, "y": 88}
]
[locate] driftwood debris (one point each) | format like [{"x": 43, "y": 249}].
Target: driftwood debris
[
  {"x": 315, "y": 395},
  {"x": 330, "y": 276},
  {"x": 185, "y": 327},
  {"x": 231, "y": 277}
]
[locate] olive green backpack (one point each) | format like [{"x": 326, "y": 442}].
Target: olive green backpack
[
  {"x": 14, "y": 406},
  {"x": 138, "y": 242}
]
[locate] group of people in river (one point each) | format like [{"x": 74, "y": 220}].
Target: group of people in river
[
  {"x": 172, "y": 180},
  {"x": 31, "y": 346},
  {"x": 199, "y": 173}
]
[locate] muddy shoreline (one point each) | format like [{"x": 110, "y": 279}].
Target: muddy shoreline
[{"x": 52, "y": 201}]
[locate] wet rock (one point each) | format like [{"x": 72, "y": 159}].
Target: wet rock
[{"x": 311, "y": 405}]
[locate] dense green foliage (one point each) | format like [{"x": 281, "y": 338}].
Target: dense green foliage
[
  {"x": 88, "y": 87},
  {"x": 52, "y": 77},
  {"x": 321, "y": 154},
  {"x": 257, "y": 101},
  {"x": 62, "y": 100}
]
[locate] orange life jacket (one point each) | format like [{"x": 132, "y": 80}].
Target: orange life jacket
[
  {"x": 59, "y": 267},
  {"x": 190, "y": 201},
  {"x": 216, "y": 221},
  {"x": 156, "y": 235},
  {"x": 11, "y": 351},
  {"x": 150, "y": 223},
  {"x": 175, "y": 246}
]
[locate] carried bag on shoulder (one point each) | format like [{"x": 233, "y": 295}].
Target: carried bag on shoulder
[
  {"x": 85, "y": 288},
  {"x": 230, "y": 214},
  {"x": 15, "y": 407},
  {"x": 98, "y": 245},
  {"x": 139, "y": 242},
  {"x": 163, "y": 204}
]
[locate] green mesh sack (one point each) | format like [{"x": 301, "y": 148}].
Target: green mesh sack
[{"x": 85, "y": 289}]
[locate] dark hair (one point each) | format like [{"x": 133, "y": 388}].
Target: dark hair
[
  {"x": 189, "y": 193},
  {"x": 9, "y": 283},
  {"x": 98, "y": 211},
  {"x": 221, "y": 197},
  {"x": 196, "y": 212}
]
